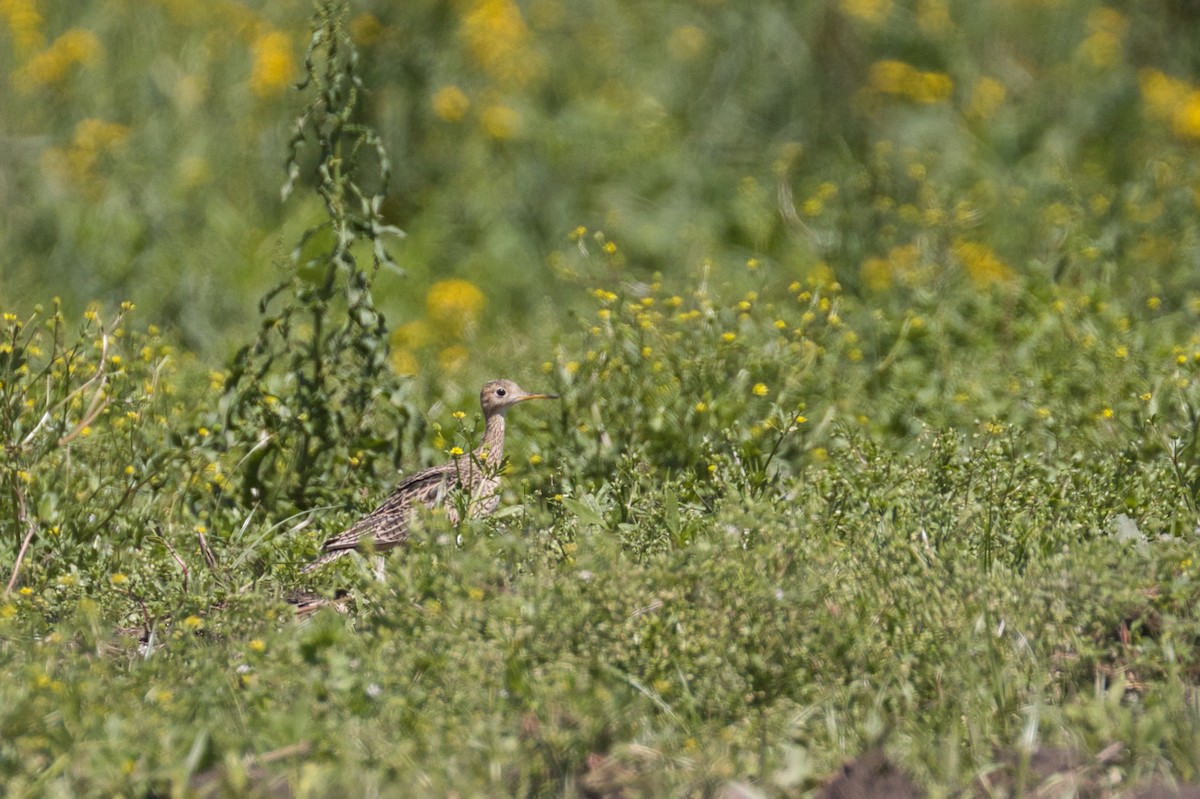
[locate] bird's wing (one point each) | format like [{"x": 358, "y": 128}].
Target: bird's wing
[{"x": 388, "y": 523}]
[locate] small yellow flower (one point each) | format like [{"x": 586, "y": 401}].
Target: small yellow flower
[
  {"x": 118, "y": 579},
  {"x": 728, "y": 337},
  {"x": 801, "y": 419},
  {"x": 193, "y": 622},
  {"x": 129, "y": 470},
  {"x": 52, "y": 65},
  {"x": 454, "y": 306},
  {"x": 459, "y": 415},
  {"x": 535, "y": 459},
  {"x": 450, "y": 103},
  {"x": 26, "y": 591},
  {"x": 500, "y": 121},
  {"x": 202, "y": 432},
  {"x": 274, "y": 63},
  {"x": 760, "y": 389},
  {"x": 701, "y": 407},
  {"x": 609, "y": 247},
  {"x": 456, "y": 451},
  {"x": 257, "y": 645},
  {"x": 1146, "y": 397},
  {"x": 1107, "y": 413},
  {"x": 1154, "y": 303}
]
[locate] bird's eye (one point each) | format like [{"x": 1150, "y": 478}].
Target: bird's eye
[{"x": 500, "y": 392}]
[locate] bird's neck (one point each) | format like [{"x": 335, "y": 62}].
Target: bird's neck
[{"x": 491, "y": 449}]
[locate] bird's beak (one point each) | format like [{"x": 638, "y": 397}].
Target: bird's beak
[{"x": 538, "y": 396}]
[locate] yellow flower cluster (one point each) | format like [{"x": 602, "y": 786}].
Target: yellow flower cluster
[
  {"x": 1173, "y": 101},
  {"x": 274, "y": 63},
  {"x": 454, "y": 306},
  {"x": 1103, "y": 46},
  {"x": 451, "y": 103},
  {"x": 870, "y": 11},
  {"x": 92, "y": 141},
  {"x": 25, "y": 22},
  {"x": 50, "y": 66},
  {"x": 499, "y": 41},
  {"x": 982, "y": 265},
  {"x": 902, "y": 265},
  {"x": 453, "y": 309},
  {"x": 901, "y": 79},
  {"x": 987, "y": 95}
]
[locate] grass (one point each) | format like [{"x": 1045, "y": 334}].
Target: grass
[{"x": 881, "y": 440}]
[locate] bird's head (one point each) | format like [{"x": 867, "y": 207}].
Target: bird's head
[{"x": 498, "y": 396}]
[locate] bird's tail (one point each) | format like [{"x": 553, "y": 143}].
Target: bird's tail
[{"x": 328, "y": 557}]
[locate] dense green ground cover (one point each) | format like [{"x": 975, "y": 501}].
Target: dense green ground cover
[{"x": 875, "y": 326}]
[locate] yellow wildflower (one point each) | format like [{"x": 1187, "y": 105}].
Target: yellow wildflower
[
  {"x": 450, "y": 103},
  {"x": 500, "y": 121},
  {"x": 499, "y": 40},
  {"x": 274, "y": 63},
  {"x": 76, "y": 46},
  {"x": 454, "y": 306}
]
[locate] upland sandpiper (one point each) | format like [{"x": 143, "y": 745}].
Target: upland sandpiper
[{"x": 470, "y": 481}]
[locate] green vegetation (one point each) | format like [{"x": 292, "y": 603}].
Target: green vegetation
[{"x": 875, "y": 326}]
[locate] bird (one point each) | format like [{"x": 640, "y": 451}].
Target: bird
[{"x": 476, "y": 473}]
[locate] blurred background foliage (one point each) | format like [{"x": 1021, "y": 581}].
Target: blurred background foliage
[{"x": 877, "y": 143}]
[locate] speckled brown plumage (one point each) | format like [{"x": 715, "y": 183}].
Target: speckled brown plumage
[{"x": 476, "y": 472}]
